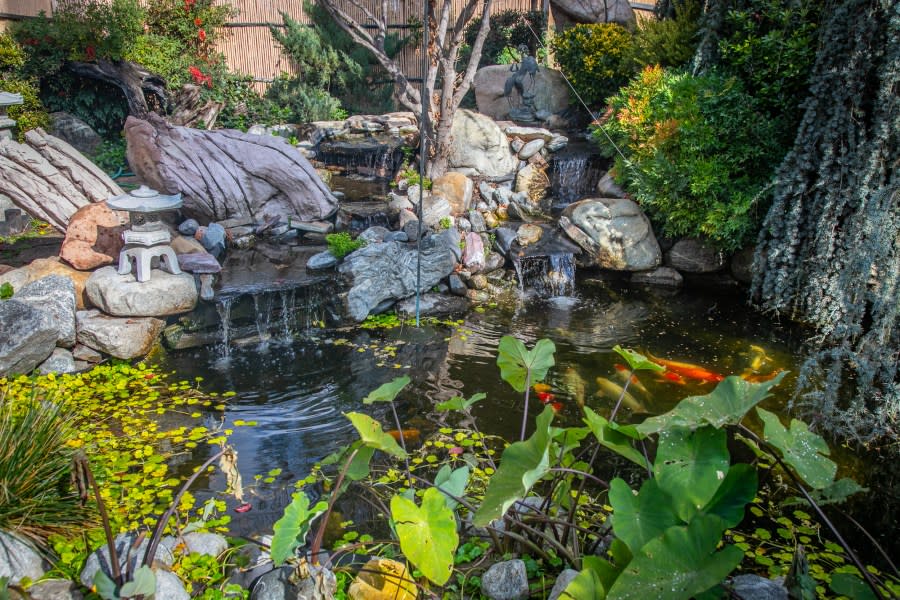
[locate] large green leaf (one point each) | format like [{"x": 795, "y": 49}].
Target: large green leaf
[
  {"x": 612, "y": 438},
  {"x": 852, "y": 586},
  {"x": 387, "y": 391},
  {"x": 637, "y": 362},
  {"x": 516, "y": 361},
  {"x": 459, "y": 403},
  {"x": 637, "y": 519},
  {"x": 291, "y": 529},
  {"x": 736, "y": 491},
  {"x": 143, "y": 583},
  {"x": 679, "y": 564},
  {"x": 690, "y": 466},
  {"x": 521, "y": 466},
  {"x": 452, "y": 483},
  {"x": 725, "y": 405},
  {"x": 373, "y": 435},
  {"x": 427, "y": 534},
  {"x": 803, "y": 450},
  {"x": 834, "y": 493}
]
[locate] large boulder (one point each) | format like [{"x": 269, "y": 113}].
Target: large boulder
[
  {"x": 129, "y": 554},
  {"x": 457, "y": 189},
  {"x": 691, "y": 255},
  {"x": 27, "y": 337},
  {"x": 121, "y": 338},
  {"x": 123, "y": 296},
  {"x": 43, "y": 267},
  {"x": 566, "y": 12},
  {"x": 75, "y": 132},
  {"x": 226, "y": 174},
  {"x": 94, "y": 237},
  {"x": 614, "y": 233},
  {"x": 387, "y": 271},
  {"x": 55, "y": 295},
  {"x": 19, "y": 560},
  {"x": 551, "y": 93},
  {"x": 479, "y": 146}
]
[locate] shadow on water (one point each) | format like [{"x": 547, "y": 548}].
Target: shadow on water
[{"x": 296, "y": 391}]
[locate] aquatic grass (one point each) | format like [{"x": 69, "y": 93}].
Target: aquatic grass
[{"x": 36, "y": 500}]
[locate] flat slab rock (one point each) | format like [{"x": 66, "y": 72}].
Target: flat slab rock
[
  {"x": 124, "y": 338},
  {"x": 123, "y": 296}
]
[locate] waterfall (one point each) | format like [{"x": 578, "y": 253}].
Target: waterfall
[
  {"x": 223, "y": 307},
  {"x": 549, "y": 276},
  {"x": 573, "y": 177},
  {"x": 262, "y": 308},
  {"x": 288, "y": 306}
]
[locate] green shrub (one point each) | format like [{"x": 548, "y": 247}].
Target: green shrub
[
  {"x": 31, "y": 113},
  {"x": 698, "y": 155},
  {"x": 195, "y": 24},
  {"x": 509, "y": 30},
  {"x": 35, "y": 499},
  {"x": 341, "y": 244},
  {"x": 164, "y": 56},
  {"x": 594, "y": 58},
  {"x": 667, "y": 42}
]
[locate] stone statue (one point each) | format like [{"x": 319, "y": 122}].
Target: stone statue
[{"x": 522, "y": 80}]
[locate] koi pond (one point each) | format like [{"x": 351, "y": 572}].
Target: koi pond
[{"x": 291, "y": 393}]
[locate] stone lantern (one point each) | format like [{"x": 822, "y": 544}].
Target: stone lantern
[
  {"x": 147, "y": 242},
  {"x": 7, "y": 99}
]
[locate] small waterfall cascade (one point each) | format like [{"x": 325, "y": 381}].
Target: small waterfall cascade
[
  {"x": 262, "y": 306},
  {"x": 288, "y": 307},
  {"x": 367, "y": 157},
  {"x": 223, "y": 307},
  {"x": 548, "y": 276},
  {"x": 573, "y": 176}
]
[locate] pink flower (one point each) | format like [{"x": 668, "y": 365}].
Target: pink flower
[{"x": 456, "y": 451}]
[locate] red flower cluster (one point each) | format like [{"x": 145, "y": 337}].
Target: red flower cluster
[
  {"x": 199, "y": 77},
  {"x": 202, "y": 35},
  {"x": 188, "y": 5},
  {"x": 198, "y": 21}
]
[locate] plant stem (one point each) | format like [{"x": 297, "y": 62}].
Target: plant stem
[
  {"x": 84, "y": 466},
  {"x": 612, "y": 416},
  {"x": 150, "y": 554},
  {"x": 320, "y": 533},
  {"x": 525, "y": 412},
  {"x": 402, "y": 442},
  {"x": 582, "y": 473}
]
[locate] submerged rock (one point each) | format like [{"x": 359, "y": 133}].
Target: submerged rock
[{"x": 693, "y": 256}]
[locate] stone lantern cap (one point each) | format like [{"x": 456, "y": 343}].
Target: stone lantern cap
[
  {"x": 144, "y": 200},
  {"x": 10, "y": 99}
]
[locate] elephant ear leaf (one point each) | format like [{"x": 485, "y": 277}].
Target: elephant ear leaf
[
  {"x": 805, "y": 452},
  {"x": 388, "y": 391},
  {"x": 518, "y": 364},
  {"x": 373, "y": 436},
  {"x": 292, "y": 528},
  {"x": 427, "y": 534}
]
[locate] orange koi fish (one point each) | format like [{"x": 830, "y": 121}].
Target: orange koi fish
[
  {"x": 688, "y": 370},
  {"x": 409, "y": 435},
  {"x": 541, "y": 387},
  {"x": 756, "y": 378},
  {"x": 622, "y": 373},
  {"x": 668, "y": 376},
  {"x": 545, "y": 397}
]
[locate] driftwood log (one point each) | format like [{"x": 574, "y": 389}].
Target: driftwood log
[
  {"x": 136, "y": 82},
  {"x": 49, "y": 179},
  {"x": 226, "y": 174}
]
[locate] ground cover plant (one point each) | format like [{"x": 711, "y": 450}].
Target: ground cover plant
[
  {"x": 127, "y": 422},
  {"x": 677, "y": 534}
]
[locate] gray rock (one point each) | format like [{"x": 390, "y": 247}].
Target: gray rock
[
  {"x": 507, "y": 580},
  {"x": 55, "y": 589},
  {"x": 446, "y": 238},
  {"x": 188, "y": 227},
  {"x": 463, "y": 224},
  {"x": 557, "y": 143},
  {"x": 473, "y": 253},
  {"x": 527, "y": 134},
  {"x": 493, "y": 262},
  {"x": 742, "y": 264},
  {"x": 433, "y": 305},
  {"x": 486, "y": 191},
  {"x": 54, "y": 294},
  {"x": 593, "y": 11},
  {"x": 479, "y": 146},
  {"x": 409, "y": 224},
  {"x": 614, "y": 233},
  {"x": 19, "y": 560},
  {"x": 693, "y": 256},
  {"x": 213, "y": 237},
  {"x": 457, "y": 286},
  {"x": 86, "y": 354},
  {"x": 504, "y": 196},
  {"x": 434, "y": 209},
  {"x": 75, "y": 132},
  {"x": 128, "y": 558},
  {"x": 477, "y": 221},
  {"x": 277, "y": 585},
  {"x": 27, "y": 337},
  {"x": 396, "y": 236},
  {"x": 399, "y": 204},
  {"x": 388, "y": 271},
  {"x": 168, "y": 586},
  {"x": 754, "y": 587},
  {"x": 123, "y": 296},
  {"x": 516, "y": 144},
  {"x": 662, "y": 276},
  {"x": 122, "y": 338},
  {"x": 60, "y": 361},
  {"x": 562, "y": 581},
  {"x": 608, "y": 188},
  {"x": 208, "y": 544},
  {"x": 375, "y": 233},
  {"x": 504, "y": 239},
  {"x": 321, "y": 261},
  {"x": 531, "y": 148}
]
